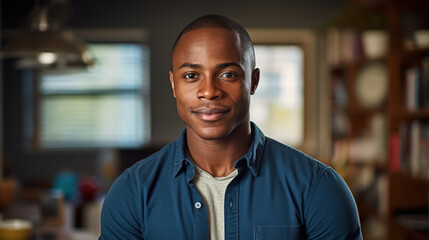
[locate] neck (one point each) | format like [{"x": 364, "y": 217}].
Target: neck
[{"x": 217, "y": 157}]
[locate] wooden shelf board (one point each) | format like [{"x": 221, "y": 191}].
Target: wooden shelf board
[
  {"x": 416, "y": 53},
  {"x": 355, "y": 64},
  {"x": 357, "y": 110},
  {"x": 410, "y": 114},
  {"x": 407, "y": 192},
  {"x": 405, "y": 176},
  {"x": 414, "y": 57},
  {"x": 410, "y": 233}
]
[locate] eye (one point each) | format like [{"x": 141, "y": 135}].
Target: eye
[
  {"x": 228, "y": 75},
  {"x": 190, "y": 76}
]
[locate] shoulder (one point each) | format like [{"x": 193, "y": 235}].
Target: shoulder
[
  {"x": 308, "y": 176},
  {"x": 330, "y": 209},
  {"x": 154, "y": 162},
  {"x": 290, "y": 160},
  {"x": 327, "y": 203},
  {"x": 133, "y": 181}
]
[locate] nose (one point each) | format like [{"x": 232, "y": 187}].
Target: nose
[{"x": 209, "y": 89}]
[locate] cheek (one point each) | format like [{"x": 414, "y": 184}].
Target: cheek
[
  {"x": 241, "y": 98},
  {"x": 183, "y": 100},
  {"x": 239, "y": 92}
]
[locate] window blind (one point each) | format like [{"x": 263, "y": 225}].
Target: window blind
[{"x": 106, "y": 105}]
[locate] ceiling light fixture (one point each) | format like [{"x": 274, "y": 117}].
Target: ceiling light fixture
[{"x": 47, "y": 44}]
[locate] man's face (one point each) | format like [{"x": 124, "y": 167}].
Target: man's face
[{"x": 212, "y": 82}]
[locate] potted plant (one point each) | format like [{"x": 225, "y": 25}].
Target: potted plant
[{"x": 375, "y": 39}]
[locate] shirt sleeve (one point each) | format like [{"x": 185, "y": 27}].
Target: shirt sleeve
[
  {"x": 330, "y": 210},
  {"x": 120, "y": 214}
]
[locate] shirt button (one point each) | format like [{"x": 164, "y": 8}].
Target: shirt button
[{"x": 197, "y": 205}]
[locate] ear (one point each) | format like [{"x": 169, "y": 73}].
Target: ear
[
  {"x": 172, "y": 82},
  {"x": 255, "y": 81}
]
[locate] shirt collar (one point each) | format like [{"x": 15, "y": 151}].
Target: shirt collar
[{"x": 252, "y": 157}]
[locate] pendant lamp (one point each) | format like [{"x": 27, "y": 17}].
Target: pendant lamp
[{"x": 47, "y": 44}]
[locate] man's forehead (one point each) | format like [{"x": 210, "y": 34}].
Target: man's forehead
[{"x": 208, "y": 36}]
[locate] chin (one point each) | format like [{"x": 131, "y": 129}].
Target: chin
[{"x": 211, "y": 133}]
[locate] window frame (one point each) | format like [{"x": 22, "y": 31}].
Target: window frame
[
  {"x": 101, "y": 36},
  {"x": 306, "y": 40}
]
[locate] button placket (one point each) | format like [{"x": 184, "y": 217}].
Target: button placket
[
  {"x": 201, "y": 225},
  {"x": 231, "y": 211}
]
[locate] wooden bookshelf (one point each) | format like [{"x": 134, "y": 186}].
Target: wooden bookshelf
[
  {"x": 406, "y": 191},
  {"x": 407, "y": 114}
]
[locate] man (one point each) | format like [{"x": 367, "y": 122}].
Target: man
[{"x": 223, "y": 179}]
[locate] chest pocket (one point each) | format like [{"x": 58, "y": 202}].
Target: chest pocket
[{"x": 292, "y": 232}]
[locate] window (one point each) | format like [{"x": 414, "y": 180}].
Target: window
[
  {"x": 106, "y": 105},
  {"x": 277, "y": 106},
  {"x": 285, "y": 104}
]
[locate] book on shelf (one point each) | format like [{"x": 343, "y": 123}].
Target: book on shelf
[
  {"x": 425, "y": 81},
  {"x": 339, "y": 91},
  {"x": 417, "y": 86},
  {"x": 343, "y": 45},
  {"x": 409, "y": 149},
  {"x": 412, "y": 88},
  {"x": 423, "y": 150},
  {"x": 415, "y": 146}
]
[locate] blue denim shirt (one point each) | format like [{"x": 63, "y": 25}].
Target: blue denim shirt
[{"x": 279, "y": 193}]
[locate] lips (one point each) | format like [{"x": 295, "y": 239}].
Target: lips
[{"x": 210, "y": 113}]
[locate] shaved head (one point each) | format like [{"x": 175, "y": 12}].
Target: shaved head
[{"x": 218, "y": 21}]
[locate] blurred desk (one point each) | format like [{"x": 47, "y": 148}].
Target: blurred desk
[{"x": 63, "y": 229}]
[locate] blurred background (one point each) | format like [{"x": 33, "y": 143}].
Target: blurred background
[{"x": 85, "y": 93}]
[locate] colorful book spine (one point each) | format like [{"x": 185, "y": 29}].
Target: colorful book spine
[
  {"x": 409, "y": 149},
  {"x": 425, "y": 82}
]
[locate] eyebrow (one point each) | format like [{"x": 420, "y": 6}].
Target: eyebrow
[
  {"x": 190, "y": 65},
  {"x": 228, "y": 64},
  {"x": 221, "y": 65}
]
